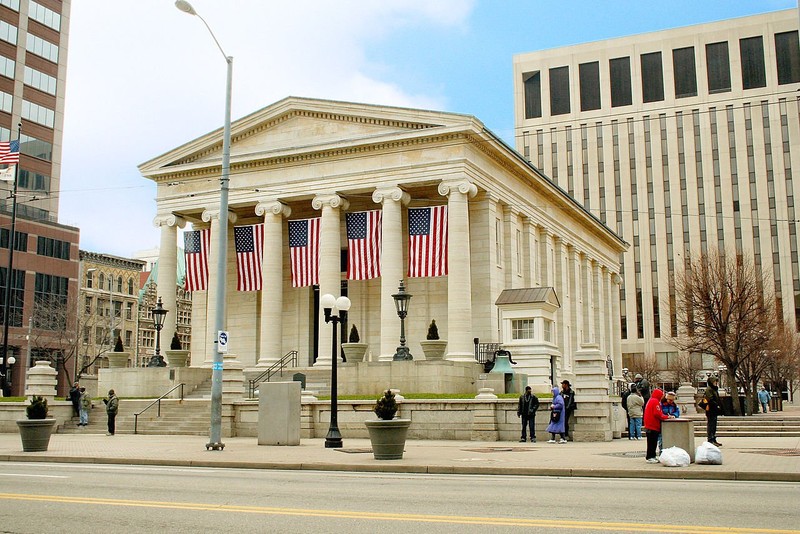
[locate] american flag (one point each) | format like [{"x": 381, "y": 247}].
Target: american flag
[
  {"x": 196, "y": 244},
  {"x": 9, "y": 152},
  {"x": 304, "y": 251},
  {"x": 249, "y": 242},
  {"x": 427, "y": 241},
  {"x": 364, "y": 245}
]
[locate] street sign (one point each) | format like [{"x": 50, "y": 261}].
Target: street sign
[{"x": 222, "y": 341}]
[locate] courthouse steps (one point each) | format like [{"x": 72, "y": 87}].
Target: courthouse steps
[{"x": 770, "y": 424}]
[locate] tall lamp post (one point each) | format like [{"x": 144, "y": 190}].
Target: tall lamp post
[
  {"x": 401, "y": 299},
  {"x": 5, "y": 386},
  {"x": 159, "y": 314},
  {"x": 215, "y": 438},
  {"x": 330, "y": 304}
]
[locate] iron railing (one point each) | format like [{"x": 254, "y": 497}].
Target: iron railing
[
  {"x": 272, "y": 370},
  {"x": 155, "y": 402}
]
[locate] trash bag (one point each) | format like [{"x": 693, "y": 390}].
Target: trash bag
[
  {"x": 709, "y": 454},
  {"x": 675, "y": 457}
]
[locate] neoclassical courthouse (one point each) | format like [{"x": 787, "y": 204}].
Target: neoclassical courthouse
[{"x": 510, "y": 228}]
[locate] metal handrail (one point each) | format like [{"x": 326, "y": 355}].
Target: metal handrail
[
  {"x": 276, "y": 367},
  {"x": 157, "y": 401}
]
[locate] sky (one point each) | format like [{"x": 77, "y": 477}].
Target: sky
[{"x": 144, "y": 77}]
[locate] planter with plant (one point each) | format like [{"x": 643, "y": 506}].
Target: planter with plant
[
  {"x": 432, "y": 346},
  {"x": 118, "y": 358},
  {"x": 354, "y": 350},
  {"x": 387, "y": 434},
  {"x": 35, "y": 431},
  {"x": 176, "y": 356}
]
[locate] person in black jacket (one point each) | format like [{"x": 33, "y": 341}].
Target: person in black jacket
[
  {"x": 528, "y": 404},
  {"x": 713, "y": 409},
  {"x": 569, "y": 404},
  {"x": 75, "y": 398}
]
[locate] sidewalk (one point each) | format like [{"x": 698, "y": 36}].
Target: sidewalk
[{"x": 767, "y": 459}]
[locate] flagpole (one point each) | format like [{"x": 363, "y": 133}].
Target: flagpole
[{"x": 5, "y": 387}]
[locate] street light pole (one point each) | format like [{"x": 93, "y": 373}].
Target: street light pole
[
  {"x": 401, "y": 299},
  {"x": 215, "y": 437},
  {"x": 5, "y": 386},
  {"x": 329, "y": 303},
  {"x": 159, "y": 315}
]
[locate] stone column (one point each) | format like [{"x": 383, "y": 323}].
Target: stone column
[
  {"x": 510, "y": 217},
  {"x": 214, "y": 258},
  {"x": 392, "y": 199},
  {"x": 587, "y": 336},
  {"x": 459, "y": 282},
  {"x": 271, "y": 325},
  {"x": 167, "y": 281},
  {"x": 572, "y": 281},
  {"x": 602, "y": 313},
  {"x": 330, "y": 271},
  {"x": 616, "y": 328},
  {"x": 559, "y": 285},
  {"x": 528, "y": 264},
  {"x": 545, "y": 242}
]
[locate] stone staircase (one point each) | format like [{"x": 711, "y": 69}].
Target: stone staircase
[
  {"x": 203, "y": 391},
  {"x": 770, "y": 424},
  {"x": 187, "y": 417}
]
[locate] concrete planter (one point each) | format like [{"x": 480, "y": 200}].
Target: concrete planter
[
  {"x": 354, "y": 352},
  {"x": 118, "y": 360},
  {"x": 388, "y": 437},
  {"x": 177, "y": 358},
  {"x": 35, "y": 433},
  {"x": 434, "y": 348}
]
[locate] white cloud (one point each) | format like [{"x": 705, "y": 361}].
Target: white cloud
[{"x": 143, "y": 78}]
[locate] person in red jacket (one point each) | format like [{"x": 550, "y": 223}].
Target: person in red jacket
[{"x": 652, "y": 423}]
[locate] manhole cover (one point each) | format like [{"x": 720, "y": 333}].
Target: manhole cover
[
  {"x": 777, "y": 452},
  {"x": 354, "y": 451},
  {"x": 629, "y": 454},
  {"x": 500, "y": 449}
]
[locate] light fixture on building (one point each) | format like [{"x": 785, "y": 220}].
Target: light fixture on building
[{"x": 331, "y": 305}]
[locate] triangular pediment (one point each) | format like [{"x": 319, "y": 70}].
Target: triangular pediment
[{"x": 301, "y": 125}]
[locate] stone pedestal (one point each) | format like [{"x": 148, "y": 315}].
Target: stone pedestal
[
  {"x": 685, "y": 400},
  {"x": 484, "y": 422},
  {"x": 279, "y": 413},
  {"x": 177, "y": 358},
  {"x": 592, "y": 420},
  {"x": 118, "y": 360},
  {"x": 42, "y": 380},
  {"x": 678, "y": 433}
]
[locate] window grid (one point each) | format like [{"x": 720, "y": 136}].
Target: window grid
[
  {"x": 38, "y": 114},
  {"x": 40, "y": 47},
  {"x": 39, "y": 80},
  {"x": 46, "y": 16}
]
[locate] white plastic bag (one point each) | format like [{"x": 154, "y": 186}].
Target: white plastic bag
[
  {"x": 708, "y": 453},
  {"x": 675, "y": 457}
]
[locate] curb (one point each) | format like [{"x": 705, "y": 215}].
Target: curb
[{"x": 391, "y": 467}]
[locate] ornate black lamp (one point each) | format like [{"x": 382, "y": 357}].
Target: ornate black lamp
[
  {"x": 159, "y": 314},
  {"x": 330, "y": 304},
  {"x": 401, "y": 299}
]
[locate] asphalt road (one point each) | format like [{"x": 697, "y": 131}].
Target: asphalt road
[{"x": 58, "y": 498}]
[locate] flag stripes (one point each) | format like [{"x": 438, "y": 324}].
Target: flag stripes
[
  {"x": 427, "y": 241},
  {"x": 249, "y": 244},
  {"x": 196, "y": 246},
  {"x": 363, "y": 245},
  {"x": 304, "y": 251}
]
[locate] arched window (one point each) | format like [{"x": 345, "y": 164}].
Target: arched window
[
  {"x": 101, "y": 281},
  {"x": 89, "y": 279},
  {"x": 119, "y": 284},
  {"x": 130, "y": 286}
]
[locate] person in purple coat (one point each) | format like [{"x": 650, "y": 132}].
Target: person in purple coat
[{"x": 557, "y": 414}]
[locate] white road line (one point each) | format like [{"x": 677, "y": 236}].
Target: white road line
[{"x": 30, "y": 476}]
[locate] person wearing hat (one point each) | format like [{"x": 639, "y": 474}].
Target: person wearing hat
[
  {"x": 713, "y": 407},
  {"x": 112, "y": 406},
  {"x": 643, "y": 386},
  {"x": 569, "y": 404}
]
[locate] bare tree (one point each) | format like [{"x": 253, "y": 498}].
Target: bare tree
[
  {"x": 725, "y": 310},
  {"x": 685, "y": 368},
  {"x": 57, "y": 334},
  {"x": 648, "y": 367},
  {"x": 784, "y": 365}
]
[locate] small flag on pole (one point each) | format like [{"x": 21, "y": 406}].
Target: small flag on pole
[
  {"x": 364, "y": 245},
  {"x": 249, "y": 241},
  {"x": 304, "y": 251},
  {"x": 196, "y": 244},
  {"x": 427, "y": 241},
  {"x": 9, "y": 152}
]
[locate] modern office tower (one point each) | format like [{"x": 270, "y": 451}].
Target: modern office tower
[
  {"x": 33, "y": 59},
  {"x": 681, "y": 141}
]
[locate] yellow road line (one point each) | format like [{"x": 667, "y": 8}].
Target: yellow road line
[{"x": 383, "y": 516}]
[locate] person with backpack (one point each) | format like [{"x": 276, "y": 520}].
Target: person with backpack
[
  {"x": 635, "y": 413},
  {"x": 526, "y": 409},
  {"x": 112, "y": 406}
]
